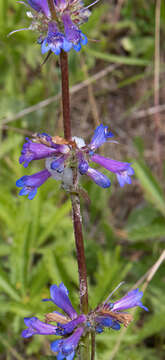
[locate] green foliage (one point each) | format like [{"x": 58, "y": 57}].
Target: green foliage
[{"x": 122, "y": 241}]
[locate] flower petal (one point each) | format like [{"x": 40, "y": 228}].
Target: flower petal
[
  {"x": 123, "y": 170},
  {"x": 101, "y": 135},
  {"x": 35, "y": 326},
  {"x": 68, "y": 328},
  {"x": 40, "y": 5},
  {"x": 30, "y": 183},
  {"x": 109, "y": 164},
  {"x": 70, "y": 343},
  {"x": 55, "y": 40},
  {"x": 130, "y": 300},
  {"x": 35, "y": 151},
  {"x": 72, "y": 33},
  {"x": 59, "y": 295},
  {"x": 108, "y": 321},
  {"x": 99, "y": 178}
]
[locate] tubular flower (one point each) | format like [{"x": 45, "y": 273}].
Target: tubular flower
[
  {"x": 62, "y": 156},
  {"x": 111, "y": 315},
  {"x": 70, "y": 326},
  {"x": 62, "y": 31}
]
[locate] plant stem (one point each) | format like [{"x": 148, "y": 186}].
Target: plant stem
[
  {"x": 93, "y": 346},
  {"x": 52, "y": 9},
  {"x": 77, "y": 221},
  {"x": 76, "y": 213},
  {"x": 65, "y": 94}
]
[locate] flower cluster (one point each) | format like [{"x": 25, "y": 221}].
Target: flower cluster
[
  {"x": 62, "y": 31},
  {"x": 63, "y": 156},
  {"x": 71, "y": 326}
]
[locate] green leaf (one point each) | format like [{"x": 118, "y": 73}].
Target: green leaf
[
  {"x": 154, "y": 325},
  {"x": 155, "y": 230},
  {"x": 4, "y": 249},
  {"x": 9, "y": 144},
  {"x": 7, "y": 287},
  {"x": 118, "y": 59},
  {"x": 152, "y": 190},
  {"x": 54, "y": 221}
]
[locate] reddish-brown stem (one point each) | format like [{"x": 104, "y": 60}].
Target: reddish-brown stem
[
  {"x": 76, "y": 212},
  {"x": 65, "y": 94},
  {"x": 93, "y": 346},
  {"x": 52, "y": 9},
  {"x": 77, "y": 221}
]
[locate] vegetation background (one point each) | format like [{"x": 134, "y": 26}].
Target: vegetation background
[{"x": 124, "y": 229}]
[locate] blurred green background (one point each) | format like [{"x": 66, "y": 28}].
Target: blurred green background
[{"x": 124, "y": 229}]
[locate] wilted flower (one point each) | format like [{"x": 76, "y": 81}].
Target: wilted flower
[
  {"x": 72, "y": 327},
  {"x": 62, "y": 31},
  {"x": 63, "y": 156}
]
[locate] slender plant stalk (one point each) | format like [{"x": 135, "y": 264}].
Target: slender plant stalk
[
  {"x": 77, "y": 221},
  {"x": 52, "y": 9},
  {"x": 76, "y": 213},
  {"x": 93, "y": 346},
  {"x": 65, "y": 94}
]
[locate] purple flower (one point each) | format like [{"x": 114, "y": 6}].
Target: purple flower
[
  {"x": 101, "y": 135},
  {"x": 73, "y": 34},
  {"x": 31, "y": 183},
  {"x": 59, "y": 295},
  {"x": 55, "y": 40},
  {"x": 111, "y": 315},
  {"x": 69, "y": 15},
  {"x": 37, "y": 327},
  {"x": 99, "y": 178},
  {"x": 42, "y": 146},
  {"x": 132, "y": 299},
  {"x": 40, "y": 6},
  {"x": 35, "y": 151},
  {"x": 61, "y": 156},
  {"x": 66, "y": 347},
  {"x": 122, "y": 170},
  {"x": 70, "y": 325}
]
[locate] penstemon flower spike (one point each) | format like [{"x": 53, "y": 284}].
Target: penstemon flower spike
[
  {"x": 73, "y": 327},
  {"x": 57, "y": 22},
  {"x": 62, "y": 156},
  {"x": 66, "y": 160}
]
